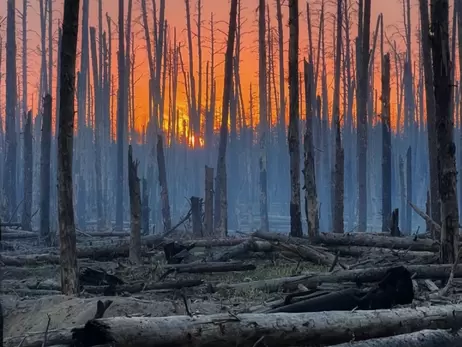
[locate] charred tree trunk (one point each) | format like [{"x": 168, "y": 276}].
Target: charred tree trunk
[
  {"x": 45, "y": 152},
  {"x": 196, "y": 213},
  {"x": 9, "y": 177},
  {"x": 208, "y": 201},
  {"x": 339, "y": 154},
  {"x": 145, "y": 208},
  {"x": 167, "y": 219},
  {"x": 293, "y": 136},
  {"x": 386, "y": 144},
  {"x": 221, "y": 204},
  {"x": 24, "y": 57},
  {"x": 68, "y": 254},
  {"x": 263, "y": 123},
  {"x": 408, "y": 228},
  {"x": 446, "y": 160},
  {"x": 120, "y": 123},
  {"x": 363, "y": 44},
  {"x": 27, "y": 172},
  {"x": 311, "y": 196},
  {"x": 135, "y": 209},
  {"x": 435, "y": 208}
]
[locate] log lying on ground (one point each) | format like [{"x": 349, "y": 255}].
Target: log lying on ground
[
  {"x": 364, "y": 239},
  {"x": 140, "y": 287},
  {"x": 361, "y": 251},
  {"x": 268, "y": 285},
  {"x": 424, "y": 338},
  {"x": 16, "y": 235},
  {"x": 298, "y": 246},
  {"x": 249, "y": 245},
  {"x": 369, "y": 275},
  {"x": 61, "y": 337},
  {"x": 274, "y": 329},
  {"x": 211, "y": 267}
]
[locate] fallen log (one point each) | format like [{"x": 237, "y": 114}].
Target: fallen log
[
  {"x": 269, "y": 285},
  {"x": 61, "y": 337},
  {"x": 274, "y": 329},
  {"x": 369, "y": 275},
  {"x": 424, "y": 338},
  {"x": 365, "y": 239},
  {"x": 249, "y": 245},
  {"x": 426, "y": 218},
  {"x": 16, "y": 235},
  {"x": 141, "y": 287},
  {"x": 299, "y": 246},
  {"x": 211, "y": 267}
]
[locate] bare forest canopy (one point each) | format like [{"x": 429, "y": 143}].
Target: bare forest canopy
[{"x": 155, "y": 76}]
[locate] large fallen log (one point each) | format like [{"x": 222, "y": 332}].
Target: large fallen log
[
  {"x": 61, "y": 337},
  {"x": 424, "y": 338},
  {"x": 141, "y": 287},
  {"x": 210, "y": 267},
  {"x": 298, "y": 246},
  {"x": 249, "y": 245},
  {"x": 369, "y": 275},
  {"x": 15, "y": 235},
  {"x": 365, "y": 239},
  {"x": 299, "y": 329}
]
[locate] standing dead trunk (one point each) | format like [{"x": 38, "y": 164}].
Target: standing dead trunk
[
  {"x": 45, "y": 152},
  {"x": 339, "y": 154},
  {"x": 27, "y": 173},
  {"x": 68, "y": 255},
  {"x": 263, "y": 122},
  {"x": 311, "y": 196},
  {"x": 120, "y": 122},
  {"x": 402, "y": 189},
  {"x": 135, "y": 208},
  {"x": 145, "y": 208},
  {"x": 167, "y": 220},
  {"x": 435, "y": 208},
  {"x": 24, "y": 57},
  {"x": 386, "y": 144},
  {"x": 9, "y": 178},
  {"x": 221, "y": 223},
  {"x": 208, "y": 201},
  {"x": 446, "y": 160},
  {"x": 362, "y": 92},
  {"x": 293, "y": 136},
  {"x": 196, "y": 213},
  {"x": 409, "y": 176}
]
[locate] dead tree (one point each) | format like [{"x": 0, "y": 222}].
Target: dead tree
[
  {"x": 446, "y": 160},
  {"x": 27, "y": 173},
  {"x": 311, "y": 196},
  {"x": 167, "y": 219},
  {"x": 9, "y": 177},
  {"x": 430, "y": 107},
  {"x": 361, "y": 104},
  {"x": 263, "y": 123},
  {"x": 293, "y": 136},
  {"x": 24, "y": 57},
  {"x": 45, "y": 152},
  {"x": 208, "y": 201},
  {"x": 135, "y": 208},
  {"x": 221, "y": 204},
  {"x": 68, "y": 254},
  {"x": 339, "y": 154},
  {"x": 282, "y": 96},
  {"x": 120, "y": 122},
  {"x": 409, "y": 177},
  {"x": 145, "y": 208},
  {"x": 386, "y": 144},
  {"x": 196, "y": 214}
]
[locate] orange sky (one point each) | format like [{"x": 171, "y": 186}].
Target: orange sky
[{"x": 175, "y": 15}]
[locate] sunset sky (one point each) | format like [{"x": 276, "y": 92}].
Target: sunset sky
[{"x": 175, "y": 15}]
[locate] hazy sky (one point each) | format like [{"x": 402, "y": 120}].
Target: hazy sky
[{"x": 175, "y": 15}]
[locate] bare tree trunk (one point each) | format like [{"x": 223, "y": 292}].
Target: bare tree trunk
[
  {"x": 9, "y": 178},
  {"x": 167, "y": 219},
  {"x": 431, "y": 109},
  {"x": 402, "y": 189},
  {"x": 263, "y": 123},
  {"x": 27, "y": 172},
  {"x": 447, "y": 172},
  {"x": 221, "y": 223},
  {"x": 339, "y": 154},
  {"x": 120, "y": 122},
  {"x": 208, "y": 201},
  {"x": 293, "y": 136},
  {"x": 386, "y": 144},
  {"x": 196, "y": 213},
  {"x": 24, "y": 57},
  {"x": 50, "y": 46},
  {"x": 68, "y": 255},
  {"x": 45, "y": 152},
  {"x": 145, "y": 208},
  {"x": 311, "y": 196},
  {"x": 135, "y": 208},
  {"x": 363, "y": 44},
  {"x": 409, "y": 176}
]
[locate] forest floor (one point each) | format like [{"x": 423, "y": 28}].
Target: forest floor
[{"x": 352, "y": 272}]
